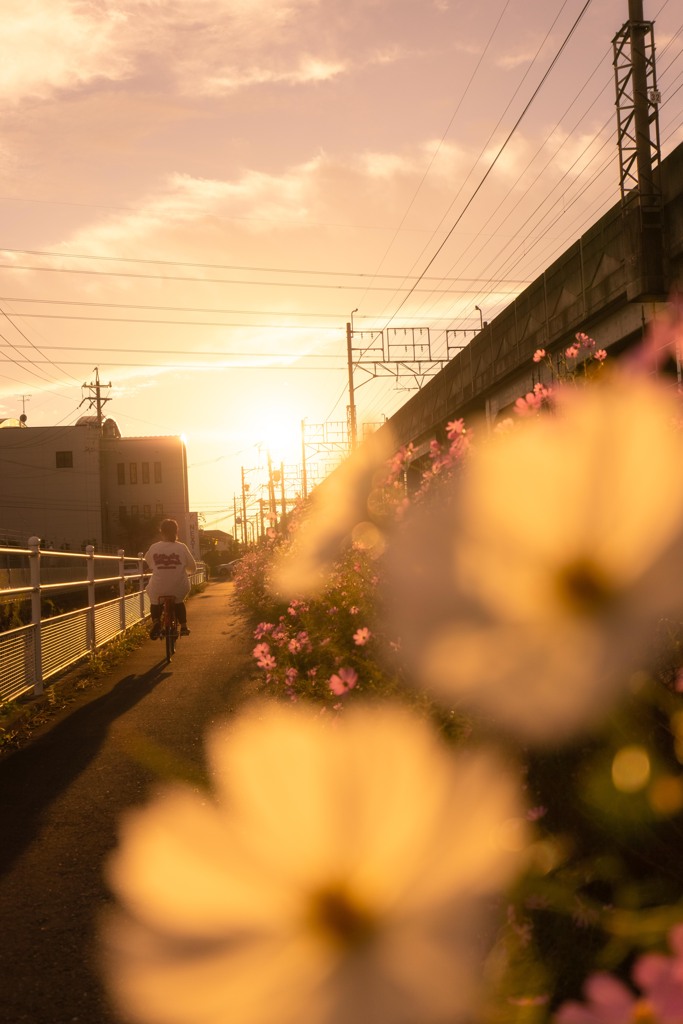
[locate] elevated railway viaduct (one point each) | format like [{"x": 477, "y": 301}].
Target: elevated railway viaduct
[{"x": 609, "y": 284}]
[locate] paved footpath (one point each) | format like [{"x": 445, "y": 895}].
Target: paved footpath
[{"x": 62, "y": 795}]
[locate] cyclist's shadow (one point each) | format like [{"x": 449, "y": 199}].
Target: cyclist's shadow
[{"x": 33, "y": 777}]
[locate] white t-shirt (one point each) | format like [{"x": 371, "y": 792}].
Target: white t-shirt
[{"x": 170, "y": 562}]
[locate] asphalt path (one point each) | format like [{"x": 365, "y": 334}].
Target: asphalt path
[{"x": 62, "y": 795}]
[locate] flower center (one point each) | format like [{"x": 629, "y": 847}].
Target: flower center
[
  {"x": 342, "y": 919},
  {"x": 584, "y": 587},
  {"x": 643, "y": 1013}
]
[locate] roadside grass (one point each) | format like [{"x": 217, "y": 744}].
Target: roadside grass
[{"x": 20, "y": 718}]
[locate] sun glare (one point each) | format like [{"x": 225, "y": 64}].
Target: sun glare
[{"x": 280, "y": 435}]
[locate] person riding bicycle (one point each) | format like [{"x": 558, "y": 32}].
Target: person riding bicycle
[{"x": 170, "y": 561}]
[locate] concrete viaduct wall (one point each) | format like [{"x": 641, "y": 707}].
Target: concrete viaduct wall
[{"x": 595, "y": 286}]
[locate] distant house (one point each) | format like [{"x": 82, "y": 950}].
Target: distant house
[
  {"x": 218, "y": 539},
  {"x": 85, "y": 484}
]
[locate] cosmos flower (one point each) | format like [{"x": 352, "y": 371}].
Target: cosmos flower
[
  {"x": 264, "y": 659},
  {"x": 354, "y": 886},
  {"x": 533, "y": 595},
  {"x": 539, "y": 354},
  {"x": 361, "y": 636},
  {"x": 342, "y": 681},
  {"x": 660, "y": 999},
  {"x": 609, "y": 1001}
]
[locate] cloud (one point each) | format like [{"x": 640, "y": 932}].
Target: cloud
[
  {"x": 201, "y": 46},
  {"x": 510, "y": 61},
  {"x": 308, "y": 69},
  {"x": 58, "y": 45}
]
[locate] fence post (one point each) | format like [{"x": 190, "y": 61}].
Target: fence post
[
  {"x": 122, "y": 589},
  {"x": 141, "y": 562},
  {"x": 91, "y": 639},
  {"x": 34, "y": 565}
]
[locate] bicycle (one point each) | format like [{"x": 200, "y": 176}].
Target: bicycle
[{"x": 169, "y": 624}]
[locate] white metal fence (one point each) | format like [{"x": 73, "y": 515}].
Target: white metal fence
[{"x": 30, "y": 654}]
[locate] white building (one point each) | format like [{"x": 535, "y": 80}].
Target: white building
[{"x": 78, "y": 485}]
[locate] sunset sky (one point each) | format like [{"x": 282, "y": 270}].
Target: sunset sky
[{"x": 196, "y": 194}]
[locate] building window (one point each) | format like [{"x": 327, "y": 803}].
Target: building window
[
  {"x": 134, "y": 510},
  {"x": 157, "y": 472},
  {"x": 133, "y": 472},
  {"x": 160, "y": 509},
  {"x": 147, "y": 511},
  {"x": 64, "y": 460},
  {"x": 121, "y": 472},
  {"x": 145, "y": 472}
]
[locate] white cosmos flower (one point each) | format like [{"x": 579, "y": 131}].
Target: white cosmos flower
[
  {"x": 339, "y": 874},
  {"x": 532, "y": 594}
]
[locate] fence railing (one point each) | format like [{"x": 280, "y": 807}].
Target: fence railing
[{"x": 31, "y": 654}]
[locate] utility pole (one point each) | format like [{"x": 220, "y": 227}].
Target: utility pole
[
  {"x": 304, "y": 478},
  {"x": 352, "y": 401},
  {"x": 95, "y": 399},
  {"x": 244, "y": 512},
  {"x": 234, "y": 515},
  {"x": 24, "y": 417},
  {"x": 271, "y": 491},
  {"x": 283, "y": 496}
]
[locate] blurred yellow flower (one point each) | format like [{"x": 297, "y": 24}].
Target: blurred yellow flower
[
  {"x": 533, "y": 594},
  {"x": 340, "y": 873},
  {"x": 339, "y": 515}
]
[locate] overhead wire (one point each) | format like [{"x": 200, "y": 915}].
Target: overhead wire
[
  {"x": 481, "y": 153},
  {"x": 499, "y": 153},
  {"x": 436, "y": 152}
]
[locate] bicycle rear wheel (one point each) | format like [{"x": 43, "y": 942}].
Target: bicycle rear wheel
[{"x": 170, "y": 642}]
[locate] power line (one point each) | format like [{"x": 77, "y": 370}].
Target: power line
[
  {"x": 499, "y": 153},
  {"x": 201, "y": 266}
]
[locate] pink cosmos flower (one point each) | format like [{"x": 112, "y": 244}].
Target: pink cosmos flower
[
  {"x": 539, "y": 354},
  {"x": 527, "y": 405},
  {"x": 343, "y": 681},
  {"x": 660, "y": 978},
  {"x": 263, "y": 629},
  {"x": 304, "y": 640},
  {"x": 585, "y": 340},
  {"x": 361, "y": 636},
  {"x": 600, "y": 354},
  {"x": 354, "y": 609},
  {"x": 454, "y": 429},
  {"x": 572, "y": 352},
  {"x": 264, "y": 659},
  {"x": 609, "y": 1001},
  {"x": 280, "y": 635},
  {"x": 291, "y": 675}
]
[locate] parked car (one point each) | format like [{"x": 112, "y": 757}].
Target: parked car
[{"x": 228, "y": 568}]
